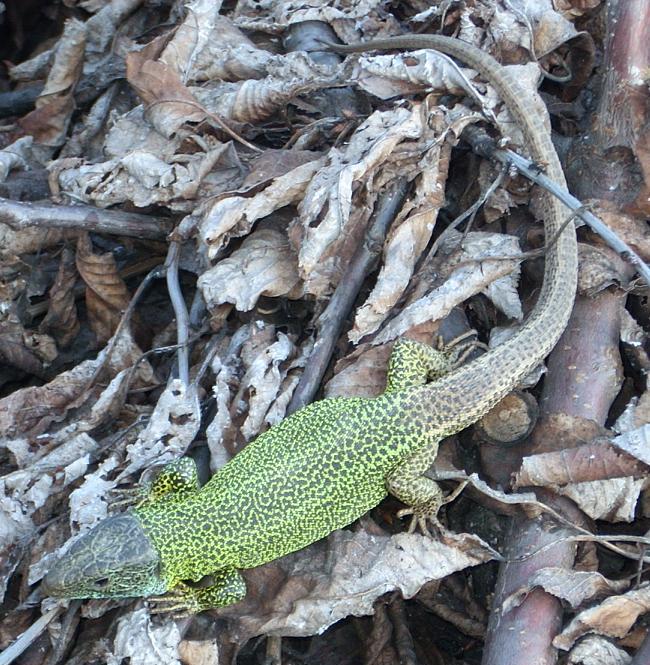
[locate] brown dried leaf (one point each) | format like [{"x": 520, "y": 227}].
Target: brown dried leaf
[
  {"x": 264, "y": 265},
  {"x": 600, "y": 460},
  {"x": 613, "y": 617},
  {"x": 48, "y": 122},
  {"x": 61, "y": 318},
  {"x": 32, "y": 410},
  {"x": 106, "y": 294},
  {"x": 573, "y": 586},
  {"x": 15, "y": 352},
  {"x": 170, "y": 104},
  {"x": 361, "y": 373},
  {"x": 632, "y": 230}
]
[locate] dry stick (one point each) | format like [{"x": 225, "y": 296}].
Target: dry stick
[
  {"x": 18, "y": 216},
  {"x": 182, "y": 316},
  {"x": 484, "y": 145},
  {"x": 330, "y": 322},
  {"x": 25, "y": 639},
  {"x": 531, "y": 626}
]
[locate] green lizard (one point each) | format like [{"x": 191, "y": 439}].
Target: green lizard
[{"x": 332, "y": 461}]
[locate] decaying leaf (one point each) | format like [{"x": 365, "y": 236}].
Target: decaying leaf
[
  {"x": 573, "y": 586},
  {"x": 613, "y": 617},
  {"x": 345, "y": 574},
  {"x": 61, "y": 319},
  {"x": 171, "y": 428},
  {"x": 264, "y": 265},
  {"x": 106, "y": 294},
  {"x": 234, "y": 216},
  {"x": 465, "y": 281},
  {"x": 593, "y": 650},
  {"x": 48, "y": 122}
]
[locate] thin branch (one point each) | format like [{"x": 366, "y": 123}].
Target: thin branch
[
  {"x": 180, "y": 309},
  {"x": 23, "y": 215}
]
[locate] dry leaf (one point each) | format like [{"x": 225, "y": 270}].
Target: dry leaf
[
  {"x": 61, "y": 318},
  {"x": 345, "y": 574},
  {"x": 611, "y": 500},
  {"x": 235, "y": 215},
  {"x": 106, "y": 294},
  {"x": 48, "y": 122},
  {"x": 613, "y": 617},
  {"x": 264, "y": 265},
  {"x": 574, "y": 587},
  {"x": 594, "y": 650},
  {"x": 170, "y": 430},
  {"x": 474, "y": 276}
]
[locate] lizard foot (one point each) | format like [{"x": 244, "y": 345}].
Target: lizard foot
[
  {"x": 427, "y": 512},
  {"x": 184, "y": 600}
]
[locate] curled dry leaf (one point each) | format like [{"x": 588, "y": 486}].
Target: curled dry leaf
[
  {"x": 168, "y": 101},
  {"x": 141, "y": 641},
  {"x": 599, "y": 268},
  {"x": 249, "y": 403},
  {"x": 573, "y": 586},
  {"x": 14, "y": 351},
  {"x": 207, "y": 46},
  {"x": 594, "y": 650},
  {"x": 235, "y": 215},
  {"x": 408, "y": 238},
  {"x": 387, "y": 76},
  {"x": 61, "y": 318},
  {"x": 614, "y": 617},
  {"x": 32, "y": 410},
  {"x": 473, "y": 276},
  {"x": 600, "y": 460},
  {"x": 48, "y": 122},
  {"x": 610, "y": 500},
  {"x": 106, "y": 294},
  {"x": 264, "y": 265},
  {"x": 345, "y": 574},
  {"x": 15, "y": 156}
]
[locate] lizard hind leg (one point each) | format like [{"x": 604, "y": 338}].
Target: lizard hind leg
[
  {"x": 422, "y": 495},
  {"x": 413, "y": 364}
]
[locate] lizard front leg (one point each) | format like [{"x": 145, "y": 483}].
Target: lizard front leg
[
  {"x": 424, "y": 497},
  {"x": 227, "y": 588}
]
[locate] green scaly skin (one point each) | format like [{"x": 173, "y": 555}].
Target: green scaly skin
[{"x": 326, "y": 465}]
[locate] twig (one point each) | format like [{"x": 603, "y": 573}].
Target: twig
[
  {"x": 23, "y": 215},
  {"x": 330, "y": 323},
  {"x": 25, "y": 639},
  {"x": 182, "y": 317}
]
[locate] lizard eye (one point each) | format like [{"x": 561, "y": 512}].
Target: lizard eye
[{"x": 101, "y": 583}]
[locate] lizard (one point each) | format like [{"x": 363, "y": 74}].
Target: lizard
[{"x": 330, "y": 462}]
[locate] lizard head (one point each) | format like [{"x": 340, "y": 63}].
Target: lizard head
[{"x": 116, "y": 559}]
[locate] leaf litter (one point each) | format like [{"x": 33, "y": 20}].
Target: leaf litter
[{"x": 272, "y": 185}]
